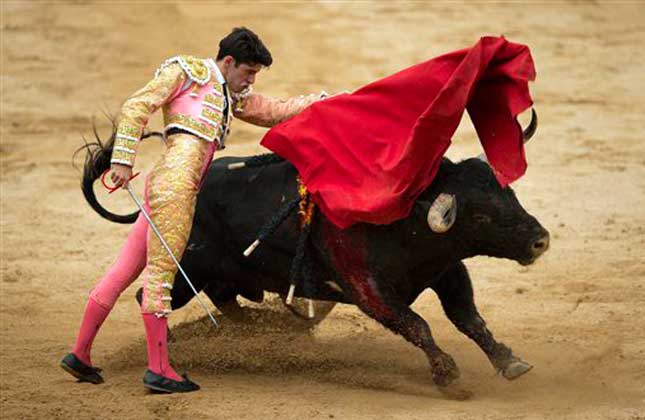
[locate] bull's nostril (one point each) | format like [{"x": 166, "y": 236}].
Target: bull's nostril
[{"x": 541, "y": 245}]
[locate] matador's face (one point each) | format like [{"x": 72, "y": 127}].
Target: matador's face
[{"x": 239, "y": 76}]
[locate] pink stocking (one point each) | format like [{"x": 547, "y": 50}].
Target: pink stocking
[
  {"x": 94, "y": 316},
  {"x": 156, "y": 337},
  {"x": 126, "y": 269}
]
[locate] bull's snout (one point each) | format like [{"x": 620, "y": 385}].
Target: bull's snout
[
  {"x": 536, "y": 247},
  {"x": 540, "y": 245}
]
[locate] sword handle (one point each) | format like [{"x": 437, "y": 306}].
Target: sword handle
[{"x": 112, "y": 188}]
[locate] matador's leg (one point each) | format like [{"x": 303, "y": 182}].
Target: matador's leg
[
  {"x": 124, "y": 271},
  {"x": 172, "y": 194}
]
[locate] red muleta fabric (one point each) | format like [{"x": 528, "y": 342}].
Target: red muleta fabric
[{"x": 366, "y": 156}]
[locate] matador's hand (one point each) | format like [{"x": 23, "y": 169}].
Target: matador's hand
[{"x": 120, "y": 175}]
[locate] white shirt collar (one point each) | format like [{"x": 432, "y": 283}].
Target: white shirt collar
[{"x": 218, "y": 73}]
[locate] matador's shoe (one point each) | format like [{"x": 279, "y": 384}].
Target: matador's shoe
[
  {"x": 160, "y": 383},
  {"x": 80, "y": 370}
]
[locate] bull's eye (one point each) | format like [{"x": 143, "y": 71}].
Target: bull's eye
[{"x": 482, "y": 218}]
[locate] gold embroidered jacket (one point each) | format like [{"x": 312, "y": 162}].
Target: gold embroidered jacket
[{"x": 183, "y": 76}]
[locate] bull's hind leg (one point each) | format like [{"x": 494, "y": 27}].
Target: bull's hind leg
[{"x": 456, "y": 294}]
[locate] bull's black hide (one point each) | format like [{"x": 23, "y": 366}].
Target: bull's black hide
[{"x": 381, "y": 269}]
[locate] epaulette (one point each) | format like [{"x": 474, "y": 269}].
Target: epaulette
[{"x": 195, "y": 68}]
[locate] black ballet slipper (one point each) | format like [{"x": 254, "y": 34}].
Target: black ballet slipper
[
  {"x": 160, "y": 383},
  {"x": 80, "y": 370}
]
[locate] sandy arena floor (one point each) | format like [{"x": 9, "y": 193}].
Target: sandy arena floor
[{"x": 578, "y": 314}]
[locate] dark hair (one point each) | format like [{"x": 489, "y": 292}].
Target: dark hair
[{"x": 245, "y": 47}]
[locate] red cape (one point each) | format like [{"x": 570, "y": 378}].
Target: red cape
[{"x": 366, "y": 156}]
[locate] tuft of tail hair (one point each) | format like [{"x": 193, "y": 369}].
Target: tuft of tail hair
[{"x": 97, "y": 160}]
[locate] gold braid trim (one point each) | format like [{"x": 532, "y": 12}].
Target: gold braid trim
[
  {"x": 126, "y": 144},
  {"x": 123, "y": 157},
  {"x": 195, "y": 68},
  {"x": 129, "y": 131},
  {"x": 306, "y": 206},
  {"x": 200, "y": 129}
]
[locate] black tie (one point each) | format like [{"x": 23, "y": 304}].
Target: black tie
[{"x": 225, "y": 111}]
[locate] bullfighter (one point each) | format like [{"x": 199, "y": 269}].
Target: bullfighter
[{"x": 198, "y": 98}]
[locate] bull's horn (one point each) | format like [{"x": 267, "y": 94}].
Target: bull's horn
[
  {"x": 528, "y": 132},
  {"x": 532, "y": 127},
  {"x": 442, "y": 213}
]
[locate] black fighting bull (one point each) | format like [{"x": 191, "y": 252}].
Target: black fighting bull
[{"x": 380, "y": 269}]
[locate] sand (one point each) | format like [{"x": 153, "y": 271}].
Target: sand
[{"x": 578, "y": 314}]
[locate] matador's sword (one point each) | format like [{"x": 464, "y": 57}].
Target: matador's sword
[{"x": 169, "y": 251}]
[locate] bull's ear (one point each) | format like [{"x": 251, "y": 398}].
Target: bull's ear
[{"x": 442, "y": 213}]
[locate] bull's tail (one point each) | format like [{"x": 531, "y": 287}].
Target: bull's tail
[{"x": 97, "y": 161}]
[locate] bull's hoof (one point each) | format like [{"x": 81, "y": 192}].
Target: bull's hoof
[
  {"x": 444, "y": 370},
  {"x": 233, "y": 311},
  {"x": 300, "y": 308},
  {"x": 455, "y": 392},
  {"x": 515, "y": 369}
]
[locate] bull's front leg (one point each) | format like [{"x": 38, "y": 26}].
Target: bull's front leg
[
  {"x": 347, "y": 253},
  {"x": 402, "y": 320},
  {"x": 455, "y": 291}
]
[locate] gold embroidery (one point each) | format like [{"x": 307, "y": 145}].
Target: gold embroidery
[
  {"x": 189, "y": 124},
  {"x": 216, "y": 102},
  {"x": 194, "y": 91},
  {"x": 195, "y": 68},
  {"x": 239, "y": 105},
  {"x": 239, "y": 98},
  {"x": 124, "y": 151},
  {"x": 127, "y": 143},
  {"x": 128, "y": 130},
  {"x": 137, "y": 109},
  {"x": 266, "y": 111},
  {"x": 172, "y": 198},
  {"x": 214, "y": 116},
  {"x": 217, "y": 89},
  {"x": 122, "y": 157}
]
